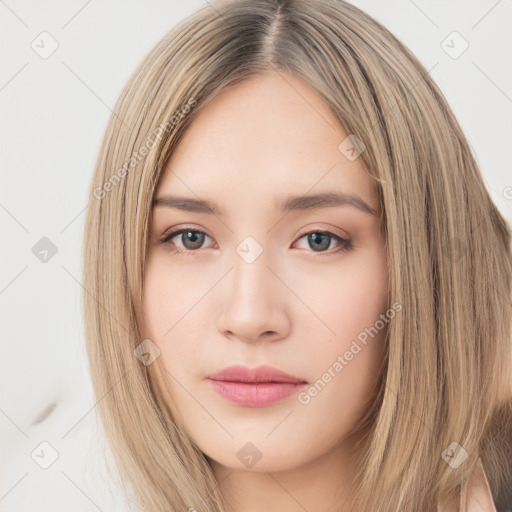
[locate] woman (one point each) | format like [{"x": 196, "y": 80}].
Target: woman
[{"x": 297, "y": 286}]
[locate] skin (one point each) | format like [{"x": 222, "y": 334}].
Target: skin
[{"x": 294, "y": 307}]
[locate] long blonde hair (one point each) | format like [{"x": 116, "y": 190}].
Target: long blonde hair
[{"x": 447, "y": 375}]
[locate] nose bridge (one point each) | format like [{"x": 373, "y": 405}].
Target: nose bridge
[
  {"x": 252, "y": 304},
  {"x": 250, "y": 280}
]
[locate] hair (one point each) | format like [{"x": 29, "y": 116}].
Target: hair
[{"x": 447, "y": 374}]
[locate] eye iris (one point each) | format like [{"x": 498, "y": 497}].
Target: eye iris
[
  {"x": 195, "y": 237},
  {"x": 315, "y": 237}
]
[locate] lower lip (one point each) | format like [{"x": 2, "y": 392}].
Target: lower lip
[{"x": 255, "y": 394}]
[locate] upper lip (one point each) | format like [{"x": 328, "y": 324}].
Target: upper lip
[{"x": 260, "y": 374}]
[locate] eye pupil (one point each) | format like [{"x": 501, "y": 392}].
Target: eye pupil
[
  {"x": 315, "y": 238},
  {"x": 194, "y": 237}
]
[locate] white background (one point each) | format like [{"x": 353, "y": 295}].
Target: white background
[{"x": 53, "y": 115}]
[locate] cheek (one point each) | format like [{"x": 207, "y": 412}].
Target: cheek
[
  {"x": 173, "y": 307},
  {"x": 350, "y": 297},
  {"x": 154, "y": 303},
  {"x": 362, "y": 297},
  {"x": 169, "y": 296},
  {"x": 366, "y": 278},
  {"x": 347, "y": 359}
]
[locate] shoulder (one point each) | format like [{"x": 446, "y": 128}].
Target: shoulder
[{"x": 479, "y": 496}]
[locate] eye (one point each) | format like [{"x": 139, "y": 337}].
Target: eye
[
  {"x": 193, "y": 239},
  {"x": 320, "y": 241}
]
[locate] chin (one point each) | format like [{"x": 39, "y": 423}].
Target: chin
[{"x": 258, "y": 456}]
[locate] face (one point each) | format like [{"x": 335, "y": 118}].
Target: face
[{"x": 246, "y": 269}]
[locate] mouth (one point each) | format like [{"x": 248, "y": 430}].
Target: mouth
[{"x": 256, "y": 387}]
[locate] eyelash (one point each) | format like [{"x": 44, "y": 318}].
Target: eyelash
[{"x": 345, "y": 245}]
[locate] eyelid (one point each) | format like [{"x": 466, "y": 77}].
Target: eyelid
[{"x": 329, "y": 228}]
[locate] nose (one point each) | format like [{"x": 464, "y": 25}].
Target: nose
[{"x": 254, "y": 302}]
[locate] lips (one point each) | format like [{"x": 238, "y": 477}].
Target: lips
[
  {"x": 254, "y": 387},
  {"x": 254, "y": 375}
]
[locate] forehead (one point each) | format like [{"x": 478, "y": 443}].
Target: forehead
[{"x": 269, "y": 135}]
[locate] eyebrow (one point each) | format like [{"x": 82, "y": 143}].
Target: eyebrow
[{"x": 294, "y": 203}]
